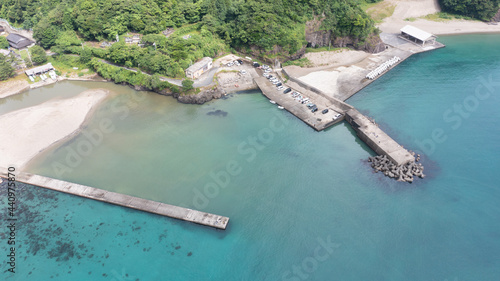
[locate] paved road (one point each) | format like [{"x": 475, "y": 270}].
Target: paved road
[{"x": 205, "y": 80}]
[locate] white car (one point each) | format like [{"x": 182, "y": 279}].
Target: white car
[
  {"x": 280, "y": 88},
  {"x": 230, "y": 64},
  {"x": 243, "y": 72},
  {"x": 275, "y": 82},
  {"x": 337, "y": 116}
]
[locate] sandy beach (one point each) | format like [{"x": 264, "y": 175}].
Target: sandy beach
[
  {"x": 419, "y": 8},
  {"x": 26, "y": 132}
]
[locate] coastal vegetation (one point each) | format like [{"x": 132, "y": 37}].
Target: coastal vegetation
[
  {"x": 6, "y": 69},
  {"x": 213, "y": 26},
  {"x": 38, "y": 55},
  {"x": 121, "y": 75},
  {"x": 378, "y": 10},
  {"x": 4, "y": 44},
  {"x": 478, "y": 9}
]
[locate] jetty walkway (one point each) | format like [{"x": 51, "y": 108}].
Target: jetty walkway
[
  {"x": 398, "y": 50},
  {"x": 128, "y": 201}
]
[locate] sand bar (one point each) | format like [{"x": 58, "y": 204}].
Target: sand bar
[{"x": 26, "y": 132}]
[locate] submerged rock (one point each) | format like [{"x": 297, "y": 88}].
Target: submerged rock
[{"x": 218, "y": 112}]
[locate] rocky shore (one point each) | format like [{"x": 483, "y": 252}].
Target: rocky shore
[{"x": 405, "y": 173}]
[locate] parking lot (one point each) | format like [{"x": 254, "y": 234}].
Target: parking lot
[{"x": 296, "y": 101}]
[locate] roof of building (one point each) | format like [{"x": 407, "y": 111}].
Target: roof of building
[
  {"x": 17, "y": 41},
  {"x": 39, "y": 69},
  {"x": 417, "y": 33},
  {"x": 200, "y": 64}
]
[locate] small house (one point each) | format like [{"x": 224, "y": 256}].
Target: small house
[
  {"x": 200, "y": 67},
  {"x": 17, "y": 41},
  {"x": 133, "y": 40},
  {"x": 40, "y": 69}
]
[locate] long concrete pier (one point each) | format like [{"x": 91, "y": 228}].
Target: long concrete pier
[{"x": 123, "y": 200}]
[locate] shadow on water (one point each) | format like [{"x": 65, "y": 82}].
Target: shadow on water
[{"x": 217, "y": 112}]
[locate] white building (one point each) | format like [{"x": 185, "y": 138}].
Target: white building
[
  {"x": 200, "y": 67},
  {"x": 417, "y": 36}
]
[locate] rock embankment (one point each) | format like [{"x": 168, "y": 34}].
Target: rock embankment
[
  {"x": 405, "y": 172},
  {"x": 200, "y": 98},
  {"x": 496, "y": 17},
  {"x": 316, "y": 37}
]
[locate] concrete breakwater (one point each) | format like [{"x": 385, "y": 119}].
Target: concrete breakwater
[
  {"x": 378, "y": 140},
  {"x": 128, "y": 201}
]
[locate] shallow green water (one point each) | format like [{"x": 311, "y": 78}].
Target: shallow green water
[{"x": 287, "y": 189}]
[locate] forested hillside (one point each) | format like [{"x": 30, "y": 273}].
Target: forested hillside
[
  {"x": 479, "y": 9},
  {"x": 257, "y": 23}
]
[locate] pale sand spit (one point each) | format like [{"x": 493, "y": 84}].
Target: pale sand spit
[{"x": 26, "y": 132}]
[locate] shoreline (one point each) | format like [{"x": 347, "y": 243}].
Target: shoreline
[{"x": 23, "y": 141}]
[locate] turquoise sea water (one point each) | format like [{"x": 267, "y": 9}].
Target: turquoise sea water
[{"x": 303, "y": 205}]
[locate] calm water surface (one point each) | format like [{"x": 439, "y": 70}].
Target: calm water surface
[{"x": 303, "y": 205}]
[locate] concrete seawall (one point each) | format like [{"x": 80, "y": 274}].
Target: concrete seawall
[
  {"x": 377, "y": 139},
  {"x": 316, "y": 120},
  {"x": 123, "y": 200}
]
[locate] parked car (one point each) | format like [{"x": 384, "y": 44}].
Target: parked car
[
  {"x": 279, "y": 84},
  {"x": 337, "y": 116},
  {"x": 325, "y": 111},
  {"x": 287, "y": 90},
  {"x": 280, "y": 88},
  {"x": 240, "y": 61},
  {"x": 314, "y": 109},
  {"x": 256, "y": 64},
  {"x": 243, "y": 71},
  {"x": 275, "y": 82},
  {"x": 230, "y": 64}
]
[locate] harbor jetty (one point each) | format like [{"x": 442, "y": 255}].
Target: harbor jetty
[
  {"x": 393, "y": 159},
  {"x": 123, "y": 200}
]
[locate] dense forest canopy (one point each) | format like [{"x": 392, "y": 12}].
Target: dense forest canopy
[
  {"x": 260, "y": 23},
  {"x": 479, "y": 9}
]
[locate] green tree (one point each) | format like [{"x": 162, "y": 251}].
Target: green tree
[
  {"x": 4, "y": 44},
  {"x": 187, "y": 84},
  {"x": 6, "y": 69},
  {"x": 38, "y": 55},
  {"x": 86, "y": 55},
  {"x": 479, "y": 9},
  {"x": 66, "y": 39}
]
